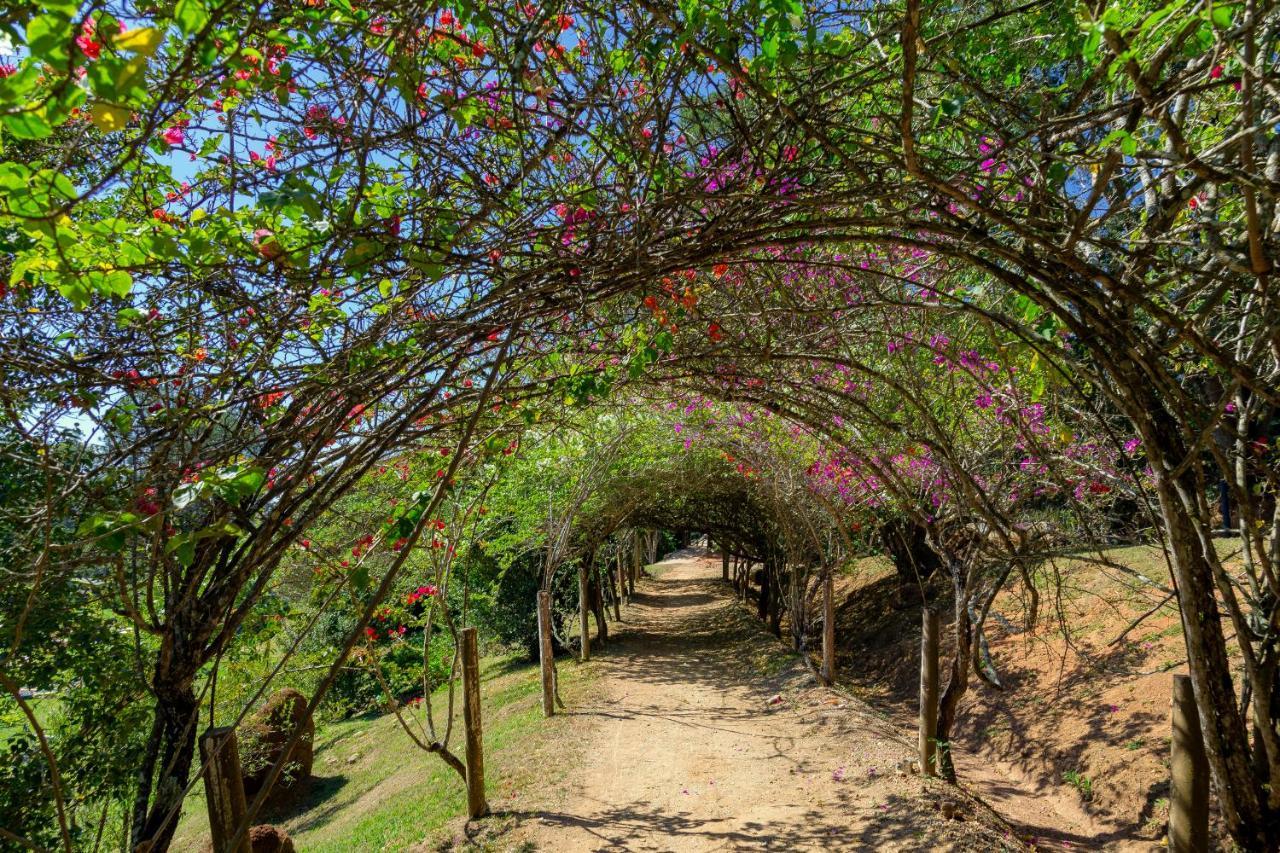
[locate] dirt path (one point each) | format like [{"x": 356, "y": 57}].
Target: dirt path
[{"x": 707, "y": 735}]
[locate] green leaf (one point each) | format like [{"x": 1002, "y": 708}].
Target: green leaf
[
  {"x": 182, "y": 547},
  {"x": 27, "y": 124},
  {"x": 191, "y": 16},
  {"x": 186, "y": 494},
  {"x": 49, "y": 37},
  {"x": 73, "y": 290}
]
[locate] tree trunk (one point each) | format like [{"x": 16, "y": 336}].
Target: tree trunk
[
  {"x": 828, "y": 628},
  {"x": 616, "y": 587},
  {"x": 597, "y": 607},
  {"x": 477, "y": 805},
  {"x": 584, "y": 609},
  {"x": 958, "y": 681},
  {"x": 1225, "y": 735},
  {"x": 174, "y": 735},
  {"x": 776, "y": 598},
  {"x": 796, "y": 606},
  {"x": 907, "y": 545}
]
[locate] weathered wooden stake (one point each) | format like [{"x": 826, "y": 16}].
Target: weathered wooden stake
[
  {"x": 476, "y": 804},
  {"x": 584, "y": 609},
  {"x": 829, "y": 628},
  {"x": 223, "y": 788},
  {"x": 617, "y": 588},
  {"x": 1188, "y": 775},
  {"x": 545, "y": 654},
  {"x": 929, "y": 693}
]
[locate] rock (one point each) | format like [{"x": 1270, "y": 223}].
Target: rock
[
  {"x": 265, "y": 838},
  {"x": 353, "y": 758},
  {"x": 262, "y": 740}
]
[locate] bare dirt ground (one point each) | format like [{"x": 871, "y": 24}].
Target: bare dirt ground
[
  {"x": 1073, "y": 751},
  {"x": 705, "y": 733}
]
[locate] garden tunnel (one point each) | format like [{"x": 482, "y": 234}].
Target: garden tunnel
[{"x": 294, "y": 292}]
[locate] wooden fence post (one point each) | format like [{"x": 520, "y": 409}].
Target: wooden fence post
[
  {"x": 617, "y": 586},
  {"x": 223, "y": 788},
  {"x": 545, "y": 654},
  {"x": 1188, "y": 775},
  {"x": 584, "y": 608},
  {"x": 476, "y": 804},
  {"x": 829, "y": 628},
  {"x": 929, "y": 693}
]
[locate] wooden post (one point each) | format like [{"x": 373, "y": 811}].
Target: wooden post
[
  {"x": 766, "y": 588},
  {"x": 1188, "y": 775},
  {"x": 584, "y": 608},
  {"x": 929, "y": 693},
  {"x": 796, "y": 604},
  {"x": 223, "y": 788},
  {"x": 829, "y": 628},
  {"x": 724, "y": 565},
  {"x": 545, "y": 654},
  {"x": 476, "y": 804},
  {"x": 616, "y": 587}
]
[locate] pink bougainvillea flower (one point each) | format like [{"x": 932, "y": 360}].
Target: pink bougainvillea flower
[{"x": 88, "y": 45}]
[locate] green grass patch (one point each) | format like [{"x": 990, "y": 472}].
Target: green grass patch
[{"x": 373, "y": 789}]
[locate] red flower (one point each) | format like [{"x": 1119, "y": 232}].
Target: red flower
[{"x": 85, "y": 41}]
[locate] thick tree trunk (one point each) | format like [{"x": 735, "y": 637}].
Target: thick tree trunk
[
  {"x": 173, "y": 748},
  {"x": 1225, "y": 734}
]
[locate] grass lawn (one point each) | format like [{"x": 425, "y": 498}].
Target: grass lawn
[{"x": 373, "y": 789}]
